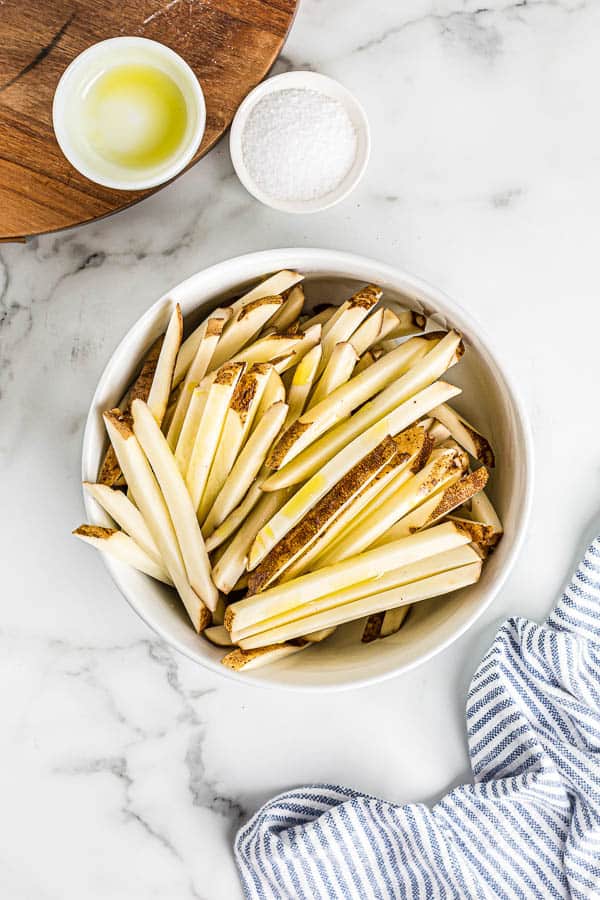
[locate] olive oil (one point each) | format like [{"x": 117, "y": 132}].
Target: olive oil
[{"x": 133, "y": 116}]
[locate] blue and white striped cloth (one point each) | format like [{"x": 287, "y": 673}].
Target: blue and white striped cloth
[{"x": 529, "y": 825}]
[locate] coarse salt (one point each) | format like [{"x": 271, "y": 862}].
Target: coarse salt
[{"x": 298, "y": 144}]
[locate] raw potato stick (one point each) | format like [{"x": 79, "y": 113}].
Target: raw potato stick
[
  {"x": 366, "y": 360},
  {"x": 123, "y": 548},
  {"x": 213, "y": 328},
  {"x": 189, "y": 429},
  {"x": 238, "y": 422},
  {"x": 254, "y": 659},
  {"x": 272, "y": 286},
  {"x": 322, "y": 417},
  {"x": 415, "y": 375},
  {"x": 126, "y": 515},
  {"x": 329, "y": 507},
  {"x": 409, "y": 322},
  {"x": 344, "y": 322},
  {"x": 218, "y": 635},
  {"x": 309, "y": 494},
  {"x": 235, "y": 518},
  {"x": 374, "y": 584},
  {"x": 438, "y": 506},
  {"x": 277, "y": 346},
  {"x": 413, "y": 592},
  {"x": 283, "y": 597},
  {"x": 110, "y": 473},
  {"x": 182, "y": 513},
  {"x": 209, "y": 430},
  {"x": 151, "y": 503},
  {"x": 232, "y": 562},
  {"x": 482, "y": 510},
  {"x": 302, "y": 382},
  {"x": 412, "y": 452},
  {"x": 444, "y": 466},
  {"x": 321, "y": 317},
  {"x": 374, "y": 329},
  {"x": 481, "y": 535},
  {"x": 291, "y": 309},
  {"x": 274, "y": 392},
  {"x": 247, "y": 465},
  {"x": 242, "y": 327},
  {"x": 393, "y": 620},
  {"x": 158, "y": 397},
  {"x": 465, "y": 434},
  {"x": 336, "y": 373}
]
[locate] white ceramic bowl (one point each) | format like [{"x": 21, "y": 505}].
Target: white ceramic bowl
[
  {"x": 298, "y": 81},
  {"x": 81, "y": 73},
  {"x": 342, "y": 661}
]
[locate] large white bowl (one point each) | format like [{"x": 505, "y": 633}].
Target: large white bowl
[{"x": 342, "y": 661}]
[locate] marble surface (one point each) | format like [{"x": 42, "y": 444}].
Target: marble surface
[{"x": 126, "y": 769}]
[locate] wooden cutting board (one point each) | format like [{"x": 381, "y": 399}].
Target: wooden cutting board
[{"x": 230, "y": 44}]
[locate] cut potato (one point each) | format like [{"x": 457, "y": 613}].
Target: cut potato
[
  {"x": 322, "y": 417},
  {"x": 191, "y": 424},
  {"x": 247, "y": 465},
  {"x": 301, "y": 384},
  {"x": 336, "y": 373},
  {"x": 210, "y": 428},
  {"x": 273, "y": 286},
  {"x": 311, "y": 492},
  {"x": 230, "y": 566},
  {"x": 254, "y": 659},
  {"x": 374, "y": 329},
  {"x": 393, "y": 620},
  {"x": 444, "y": 466},
  {"x": 413, "y": 592},
  {"x": 374, "y": 584},
  {"x": 346, "y": 319},
  {"x": 409, "y": 322},
  {"x": 366, "y": 360},
  {"x": 435, "y": 508},
  {"x": 126, "y": 515},
  {"x": 243, "y": 406},
  {"x": 235, "y": 518},
  {"x": 242, "y": 327},
  {"x": 212, "y": 330},
  {"x": 291, "y": 309},
  {"x": 278, "y": 347},
  {"x": 123, "y": 548},
  {"x": 283, "y": 597},
  {"x": 160, "y": 390},
  {"x": 218, "y": 635},
  {"x": 110, "y": 473},
  {"x": 465, "y": 434},
  {"x": 151, "y": 503},
  {"x": 179, "y": 504},
  {"x": 482, "y": 510},
  {"x": 415, "y": 375},
  {"x": 321, "y": 316},
  {"x": 315, "y": 522},
  {"x": 409, "y": 459}
]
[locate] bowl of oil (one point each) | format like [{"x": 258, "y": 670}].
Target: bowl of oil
[{"x": 129, "y": 113}]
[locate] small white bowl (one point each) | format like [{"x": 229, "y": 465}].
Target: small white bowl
[
  {"x": 298, "y": 81},
  {"x": 342, "y": 661},
  {"x": 84, "y": 69}
]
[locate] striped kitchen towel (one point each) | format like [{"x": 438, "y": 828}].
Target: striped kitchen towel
[{"x": 529, "y": 825}]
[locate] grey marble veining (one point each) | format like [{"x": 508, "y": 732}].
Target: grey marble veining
[{"x": 125, "y": 769}]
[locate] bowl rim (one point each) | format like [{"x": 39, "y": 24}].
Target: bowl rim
[
  {"x": 302, "y": 78},
  {"x": 255, "y": 265},
  {"x": 155, "y": 49}
]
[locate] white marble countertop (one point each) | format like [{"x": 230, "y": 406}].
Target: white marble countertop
[{"x": 125, "y": 770}]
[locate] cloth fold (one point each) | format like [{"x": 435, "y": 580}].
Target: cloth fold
[{"x": 527, "y": 827}]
